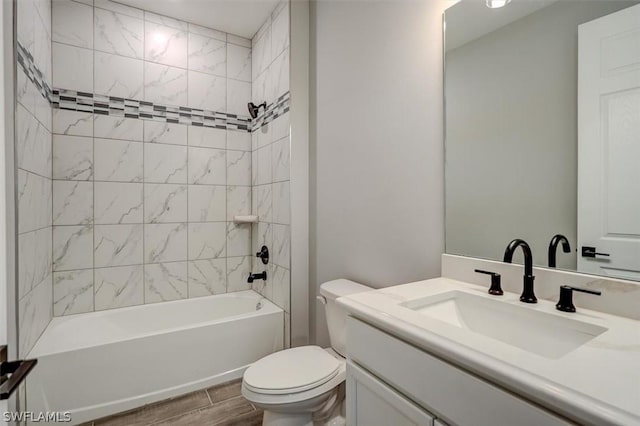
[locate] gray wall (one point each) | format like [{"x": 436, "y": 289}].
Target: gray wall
[
  {"x": 511, "y": 166},
  {"x": 376, "y": 144}
]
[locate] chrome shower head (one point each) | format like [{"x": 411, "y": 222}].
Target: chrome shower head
[{"x": 253, "y": 109}]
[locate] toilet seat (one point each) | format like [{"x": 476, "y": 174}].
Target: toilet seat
[{"x": 292, "y": 371}]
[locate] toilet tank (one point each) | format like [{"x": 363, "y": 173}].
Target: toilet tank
[{"x": 336, "y": 316}]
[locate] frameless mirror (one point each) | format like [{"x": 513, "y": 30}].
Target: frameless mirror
[{"x": 542, "y": 107}]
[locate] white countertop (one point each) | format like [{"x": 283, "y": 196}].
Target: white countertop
[{"x": 597, "y": 383}]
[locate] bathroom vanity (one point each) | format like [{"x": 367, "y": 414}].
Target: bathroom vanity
[{"x": 444, "y": 351}]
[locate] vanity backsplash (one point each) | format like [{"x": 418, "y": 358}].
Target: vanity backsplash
[{"x": 619, "y": 297}]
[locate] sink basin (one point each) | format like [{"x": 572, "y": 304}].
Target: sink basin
[{"x": 545, "y": 334}]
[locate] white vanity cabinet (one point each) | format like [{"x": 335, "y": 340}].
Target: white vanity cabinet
[
  {"x": 371, "y": 402},
  {"x": 390, "y": 382}
]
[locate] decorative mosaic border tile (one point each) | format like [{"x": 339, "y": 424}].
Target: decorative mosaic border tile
[
  {"x": 25, "y": 59},
  {"x": 273, "y": 111},
  {"x": 133, "y": 108}
]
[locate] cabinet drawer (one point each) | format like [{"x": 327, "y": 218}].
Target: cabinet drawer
[
  {"x": 448, "y": 392},
  {"x": 371, "y": 402}
]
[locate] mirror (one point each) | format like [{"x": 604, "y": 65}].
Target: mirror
[{"x": 542, "y": 132}]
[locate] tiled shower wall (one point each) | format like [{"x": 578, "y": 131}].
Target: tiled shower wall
[
  {"x": 143, "y": 208},
  {"x": 33, "y": 152},
  {"x": 270, "y": 158}
]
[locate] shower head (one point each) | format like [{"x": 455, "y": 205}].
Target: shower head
[{"x": 253, "y": 109}]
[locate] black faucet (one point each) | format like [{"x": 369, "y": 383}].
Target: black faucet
[
  {"x": 260, "y": 276},
  {"x": 527, "y": 295},
  {"x": 553, "y": 246}
]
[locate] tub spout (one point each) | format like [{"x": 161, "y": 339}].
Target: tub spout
[{"x": 260, "y": 276}]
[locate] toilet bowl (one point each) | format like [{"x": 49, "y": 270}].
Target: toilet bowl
[{"x": 304, "y": 386}]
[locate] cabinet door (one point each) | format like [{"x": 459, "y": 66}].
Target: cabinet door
[{"x": 370, "y": 402}]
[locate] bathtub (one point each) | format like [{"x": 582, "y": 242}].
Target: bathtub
[{"x": 100, "y": 363}]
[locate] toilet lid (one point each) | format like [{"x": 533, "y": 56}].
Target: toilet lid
[{"x": 291, "y": 370}]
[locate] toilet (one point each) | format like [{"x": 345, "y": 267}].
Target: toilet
[{"x": 304, "y": 386}]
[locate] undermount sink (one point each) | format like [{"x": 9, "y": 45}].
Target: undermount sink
[{"x": 545, "y": 334}]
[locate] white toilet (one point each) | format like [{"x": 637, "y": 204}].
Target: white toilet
[{"x": 305, "y": 385}]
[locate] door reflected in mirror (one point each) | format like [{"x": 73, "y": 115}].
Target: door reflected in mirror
[{"x": 542, "y": 118}]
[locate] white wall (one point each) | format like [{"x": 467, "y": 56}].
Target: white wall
[{"x": 376, "y": 144}]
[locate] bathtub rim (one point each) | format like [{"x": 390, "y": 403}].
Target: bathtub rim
[{"x": 268, "y": 307}]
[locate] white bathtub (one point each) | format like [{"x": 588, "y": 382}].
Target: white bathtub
[{"x": 101, "y": 363}]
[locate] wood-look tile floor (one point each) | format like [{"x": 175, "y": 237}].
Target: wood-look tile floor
[{"x": 222, "y": 405}]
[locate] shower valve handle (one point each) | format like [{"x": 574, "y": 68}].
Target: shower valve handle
[{"x": 263, "y": 254}]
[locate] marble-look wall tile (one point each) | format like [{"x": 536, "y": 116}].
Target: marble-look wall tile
[
  {"x": 118, "y": 33},
  {"x": 165, "y": 281},
  {"x": 72, "y": 23},
  {"x": 263, "y": 236},
  {"x": 238, "y": 269},
  {"x": 165, "y": 242},
  {"x": 207, "y": 277},
  {"x": 207, "y": 137},
  {"x": 207, "y": 203},
  {"x": 118, "y": 161},
  {"x": 165, "y": 85},
  {"x": 208, "y": 32},
  {"x": 261, "y": 50},
  {"x": 207, "y": 166},
  {"x": 263, "y": 202},
  {"x": 34, "y": 201},
  {"x": 74, "y": 123},
  {"x": 166, "y": 21},
  {"x": 238, "y": 201},
  {"x": 281, "y": 203},
  {"x": 34, "y": 259},
  {"x": 280, "y": 158},
  {"x": 287, "y": 330},
  {"x": 72, "y": 157},
  {"x": 238, "y": 168},
  {"x": 25, "y": 24},
  {"x": 265, "y": 174},
  {"x": 72, "y": 202},
  {"x": 238, "y": 94},
  {"x": 279, "y": 75},
  {"x": 118, "y": 245},
  {"x": 110, "y": 127},
  {"x": 160, "y": 132},
  {"x": 165, "y": 45},
  {"x": 35, "y": 312},
  {"x": 72, "y": 68},
  {"x": 165, "y": 163},
  {"x": 33, "y": 144},
  {"x": 238, "y": 62},
  {"x": 238, "y": 239},
  {"x": 254, "y": 167},
  {"x": 281, "y": 245},
  {"x": 207, "y": 92},
  {"x": 119, "y": 8},
  {"x": 239, "y": 41},
  {"x": 72, "y": 292},
  {"x": 281, "y": 289},
  {"x": 207, "y": 240},
  {"x": 240, "y": 141},
  {"x": 42, "y": 49},
  {"x": 207, "y": 55},
  {"x": 280, "y": 128},
  {"x": 72, "y": 247},
  {"x": 280, "y": 31},
  {"x": 118, "y": 76},
  {"x": 118, "y": 203},
  {"x": 118, "y": 287},
  {"x": 26, "y": 92},
  {"x": 165, "y": 203}
]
